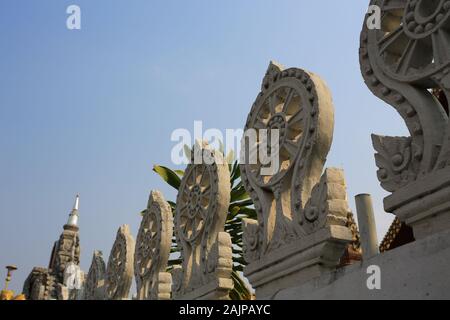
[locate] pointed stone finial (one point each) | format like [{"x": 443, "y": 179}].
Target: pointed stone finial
[
  {"x": 77, "y": 202},
  {"x": 73, "y": 217}
]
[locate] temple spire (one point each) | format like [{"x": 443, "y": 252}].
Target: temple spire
[
  {"x": 77, "y": 202},
  {"x": 73, "y": 217}
]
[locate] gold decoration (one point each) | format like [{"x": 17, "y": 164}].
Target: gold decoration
[{"x": 6, "y": 294}]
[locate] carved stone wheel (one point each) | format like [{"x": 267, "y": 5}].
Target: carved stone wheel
[
  {"x": 119, "y": 272},
  {"x": 282, "y": 108},
  {"x": 152, "y": 246},
  {"x": 414, "y": 41},
  {"x": 95, "y": 278},
  {"x": 147, "y": 243},
  {"x": 196, "y": 200}
]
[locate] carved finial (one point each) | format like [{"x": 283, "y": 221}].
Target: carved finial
[
  {"x": 300, "y": 210},
  {"x": 153, "y": 250},
  {"x": 94, "y": 288},
  {"x": 403, "y": 63},
  {"x": 202, "y": 206},
  {"x": 119, "y": 274},
  {"x": 77, "y": 202},
  {"x": 73, "y": 217},
  {"x": 272, "y": 70}
]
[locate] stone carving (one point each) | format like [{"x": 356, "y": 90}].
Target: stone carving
[
  {"x": 119, "y": 273},
  {"x": 40, "y": 285},
  {"x": 50, "y": 283},
  {"x": 353, "y": 253},
  {"x": 302, "y": 217},
  {"x": 202, "y": 206},
  {"x": 153, "y": 249},
  {"x": 95, "y": 283},
  {"x": 403, "y": 63},
  {"x": 67, "y": 251}
]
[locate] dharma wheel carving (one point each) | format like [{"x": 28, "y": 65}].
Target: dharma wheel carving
[
  {"x": 153, "y": 249},
  {"x": 119, "y": 274},
  {"x": 202, "y": 207}
]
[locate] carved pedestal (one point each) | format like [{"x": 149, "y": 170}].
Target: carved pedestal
[
  {"x": 424, "y": 204},
  {"x": 302, "y": 229}
]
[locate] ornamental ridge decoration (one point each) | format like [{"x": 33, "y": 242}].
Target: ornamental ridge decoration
[
  {"x": 294, "y": 202},
  {"x": 402, "y": 64},
  {"x": 119, "y": 273},
  {"x": 153, "y": 249},
  {"x": 94, "y": 288},
  {"x": 202, "y": 206}
]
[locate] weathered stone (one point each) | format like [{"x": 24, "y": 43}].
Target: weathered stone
[
  {"x": 153, "y": 249},
  {"x": 301, "y": 230},
  {"x": 206, "y": 251},
  {"x": 40, "y": 285},
  {"x": 400, "y": 63},
  {"x": 44, "y": 283},
  {"x": 119, "y": 272},
  {"x": 94, "y": 288}
]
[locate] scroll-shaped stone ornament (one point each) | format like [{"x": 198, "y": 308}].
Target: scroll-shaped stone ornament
[
  {"x": 94, "y": 288},
  {"x": 403, "y": 63},
  {"x": 153, "y": 249},
  {"x": 301, "y": 230},
  {"x": 119, "y": 272},
  {"x": 206, "y": 250}
]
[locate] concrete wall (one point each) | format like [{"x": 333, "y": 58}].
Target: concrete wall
[{"x": 419, "y": 270}]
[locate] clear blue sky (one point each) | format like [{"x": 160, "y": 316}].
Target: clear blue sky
[{"x": 91, "y": 111}]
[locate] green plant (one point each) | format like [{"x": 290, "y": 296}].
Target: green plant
[{"x": 241, "y": 206}]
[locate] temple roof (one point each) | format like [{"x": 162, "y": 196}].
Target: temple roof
[{"x": 398, "y": 234}]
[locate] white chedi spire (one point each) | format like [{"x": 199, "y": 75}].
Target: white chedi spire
[
  {"x": 73, "y": 217},
  {"x": 77, "y": 202}
]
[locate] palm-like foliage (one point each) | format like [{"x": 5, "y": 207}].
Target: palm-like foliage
[{"x": 241, "y": 206}]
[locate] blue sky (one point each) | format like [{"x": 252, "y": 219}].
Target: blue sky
[{"x": 90, "y": 111}]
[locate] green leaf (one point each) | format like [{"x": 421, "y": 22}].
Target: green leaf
[
  {"x": 240, "y": 290},
  {"x": 179, "y": 172},
  {"x": 235, "y": 210},
  {"x": 244, "y": 203},
  {"x": 238, "y": 195},
  {"x": 168, "y": 175}
]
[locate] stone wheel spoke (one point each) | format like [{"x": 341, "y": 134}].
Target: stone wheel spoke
[
  {"x": 394, "y": 42},
  {"x": 206, "y": 193},
  {"x": 296, "y": 117},
  {"x": 288, "y": 100},
  {"x": 405, "y": 61},
  {"x": 207, "y": 189},
  {"x": 202, "y": 176},
  {"x": 441, "y": 46},
  {"x": 273, "y": 101},
  {"x": 291, "y": 148}
]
